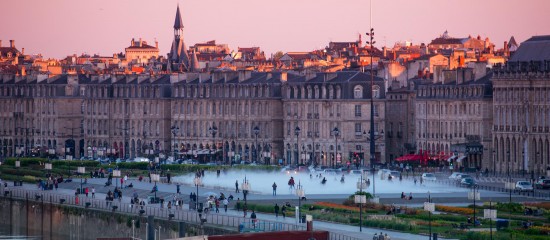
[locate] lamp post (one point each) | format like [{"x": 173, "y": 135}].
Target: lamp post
[
  {"x": 299, "y": 194},
  {"x": 371, "y": 132},
  {"x": 474, "y": 195},
  {"x": 335, "y": 132},
  {"x": 372, "y": 137},
  {"x": 212, "y": 130},
  {"x": 175, "y": 130},
  {"x": 197, "y": 181},
  {"x": 361, "y": 199},
  {"x": 430, "y": 207},
  {"x": 256, "y": 132},
  {"x": 297, "y": 131},
  {"x": 81, "y": 171}
]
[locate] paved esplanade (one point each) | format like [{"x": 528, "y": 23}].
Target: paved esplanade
[{"x": 143, "y": 189}]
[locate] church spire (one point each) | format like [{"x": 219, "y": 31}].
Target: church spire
[
  {"x": 178, "y": 23},
  {"x": 178, "y": 53}
]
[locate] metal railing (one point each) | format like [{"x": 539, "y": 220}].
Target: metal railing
[
  {"x": 536, "y": 194},
  {"x": 117, "y": 206}
]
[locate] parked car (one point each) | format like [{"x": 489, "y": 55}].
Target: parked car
[
  {"x": 524, "y": 186},
  {"x": 395, "y": 174},
  {"x": 455, "y": 176},
  {"x": 462, "y": 176},
  {"x": 468, "y": 182},
  {"x": 428, "y": 177},
  {"x": 542, "y": 184}
]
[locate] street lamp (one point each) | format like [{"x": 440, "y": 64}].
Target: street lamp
[
  {"x": 256, "y": 132},
  {"x": 430, "y": 207},
  {"x": 212, "y": 131},
  {"x": 474, "y": 195},
  {"x": 371, "y": 132},
  {"x": 197, "y": 181},
  {"x": 175, "y": 130},
  {"x": 361, "y": 199},
  {"x": 300, "y": 194},
  {"x": 335, "y": 132},
  {"x": 297, "y": 131}
]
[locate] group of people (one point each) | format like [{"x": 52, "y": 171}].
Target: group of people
[
  {"x": 403, "y": 196},
  {"x": 382, "y": 236},
  {"x": 213, "y": 202}
]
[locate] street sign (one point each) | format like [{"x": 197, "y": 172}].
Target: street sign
[
  {"x": 471, "y": 195},
  {"x": 116, "y": 173},
  {"x": 360, "y": 199},
  {"x": 490, "y": 213},
  {"x": 430, "y": 207}
]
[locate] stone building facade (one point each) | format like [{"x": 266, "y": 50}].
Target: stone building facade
[
  {"x": 453, "y": 121},
  {"x": 319, "y": 103},
  {"x": 521, "y": 125}
]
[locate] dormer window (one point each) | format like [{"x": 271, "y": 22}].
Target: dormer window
[
  {"x": 358, "y": 92},
  {"x": 376, "y": 91}
]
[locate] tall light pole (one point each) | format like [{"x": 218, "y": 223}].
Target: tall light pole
[
  {"x": 372, "y": 140},
  {"x": 175, "y": 130},
  {"x": 256, "y": 132},
  {"x": 335, "y": 132},
  {"x": 300, "y": 194},
  {"x": 371, "y": 42},
  {"x": 197, "y": 181},
  {"x": 361, "y": 199},
  {"x": 297, "y": 131}
]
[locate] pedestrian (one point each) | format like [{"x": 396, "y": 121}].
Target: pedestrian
[
  {"x": 276, "y": 208},
  {"x": 245, "y": 208},
  {"x": 169, "y": 205},
  {"x": 93, "y": 191},
  {"x": 121, "y": 182},
  {"x": 283, "y": 211},
  {"x": 375, "y": 237},
  {"x": 386, "y": 237},
  {"x": 132, "y": 203},
  {"x": 381, "y": 236},
  {"x": 55, "y": 184},
  {"x": 126, "y": 178},
  {"x": 86, "y": 191},
  {"x": 238, "y": 204},
  {"x": 217, "y": 205},
  {"x": 225, "y": 203},
  {"x": 237, "y": 186},
  {"x": 168, "y": 176},
  {"x": 177, "y": 188},
  {"x": 253, "y": 217},
  {"x": 76, "y": 200},
  {"x": 274, "y": 186}
]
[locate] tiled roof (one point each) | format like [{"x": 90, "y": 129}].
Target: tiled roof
[
  {"x": 446, "y": 41},
  {"x": 536, "y": 48}
]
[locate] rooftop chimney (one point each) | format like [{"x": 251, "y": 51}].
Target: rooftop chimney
[
  {"x": 12, "y": 43},
  {"x": 22, "y": 51},
  {"x": 140, "y": 42},
  {"x": 0, "y": 43}
]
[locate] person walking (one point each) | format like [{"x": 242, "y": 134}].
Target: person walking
[
  {"x": 276, "y": 208},
  {"x": 253, "y": 217},
  {"x": 245, "y": 208},
  {"x": 225, "y": 203},
  {"x": 217, "y": 205},
  {"x": 93, "y": 191},
  {"x": 274, "y": 186},
  {"x": 236, "y": 186},
  {"x": 177, "y": 188},
  {"x": 86, "y": 191},
  {"x": 283, "y": 211}
]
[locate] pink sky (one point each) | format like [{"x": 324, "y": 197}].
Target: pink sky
[{"x": 57, "y": 28}]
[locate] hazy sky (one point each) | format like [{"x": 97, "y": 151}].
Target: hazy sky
[{"x": 57, "y": 28}]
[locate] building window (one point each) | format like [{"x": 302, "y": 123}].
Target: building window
[
  {"x": 358, "y": 92},
  {"x": 358, "y": 128},
  {"x": 376, "y": 91},
  {"x": 358, "y": 110}
]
